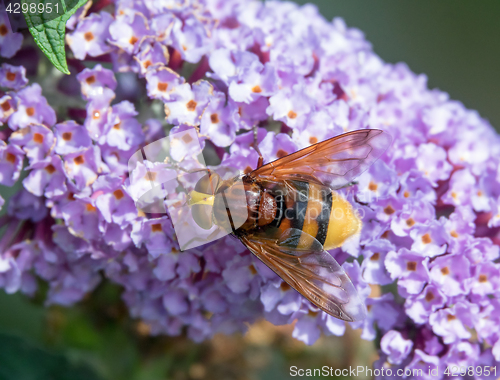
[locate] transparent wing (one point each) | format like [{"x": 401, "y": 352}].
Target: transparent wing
[
  {"x": 163, "y": 174},
  {"x": 299, "y": 259},
  {"x": 333, "y": 163}
]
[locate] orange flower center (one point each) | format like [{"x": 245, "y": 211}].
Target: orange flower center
[
  {"x": 11, "y": 158},
  {"x": 89, "y": 36},
  {"x": 162, "y": 86},
  {"x": 411, "y": 266},
  {"x": 79, "y": 160},
  {"x": 10, "y": 76},
  {"x": 156, "y": 227},
  {"x": 375, "y": 256},
  {"x": 118, "y": 194},
  {"x": 30, "y": 111},
  {"x": 191, "y": 105},
  {"x": 38, "y": 138},
  {"x": 256, "y": 89},
  {"x": 50, "y": 169},
  {"x": 214, "y": 118},
  {"x": 426, "y": 239}
]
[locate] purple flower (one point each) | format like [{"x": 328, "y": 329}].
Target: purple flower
[
  {"x": 83, "y": 218},
  {"x": 253, "y": 81},
  {"x": 98, "y": 110},
  {"x": 461, "y": 188},
  {"x": 10, "y": 42},
  {"x": 83, "y": 166},
  {"x": 248, "y": 115},
  {"x": 486, "y": 279},
  {"x": 68, "y": 242},
  {"x": 450, "y": 273},
  {"x": 306, "y": 329},
  {"x": 486, "y": 360},
  {"x": 227, "y": 75},
  {"x": 7, "y": 108},
  {"x": 11, "y": 163},
  {"x": 279, "y": 296},
  {"x": 409, "y": 268},
  {"x": 240, "y": 276},
  {"x": 116, "y": 159},
  {"x": 481, "y": 249},
  {"x": 90, "y": 36},
  {"x": 163, "y": 83},
  {"x": 425, "y": 367},
  {"x": 176, "y": 302},
  {"x": 95, "y": 82},
  {"x": 154, "y": 234},
  {"x": 419, "y": 307},
  {"x": 429, "y": 240},
  {"x": 217, "y": 121},
  {"x": 46, "y": 178},
  {"x": 462, "y": 355},
  {"x": 71, "y": 137},
  {"x": 460, "y": 225},
  {"x": 291, "y": 106},
  {"x": 190, "y": 38},
  {"x": 188, "y": 103},
  {"x": 150, "y": 183},
  {"x": 375, "y": 253},
  {"x": 431, "y": 160},
  {"x": 13, "y": 77},
  {"x": 378, "y": 182},
  {"x": 415, "y": 186},
  {"x": 36, "y": 140},
  {"x": 25, "y": 205},
  {"x": 395, "y": 346},
  {"x": 450, "y": 323},
  {"x": 276, "y": 146},
  {"x": 124, "y": 132},
  {"x": 151, "y": 54},
  {"x": 321, "y": 126},
  {"x": 32, "y": 108},
  {"x": 128, "y": 30},
  {"x": 412, "y": 214},
  {"x": 114, "y": 203}
]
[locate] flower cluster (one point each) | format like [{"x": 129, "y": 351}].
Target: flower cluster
[{"x": 426, "y": 261}]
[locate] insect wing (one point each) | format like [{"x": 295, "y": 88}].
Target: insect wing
[
  {"x": 334, "y": 162},
  {"x": 311, "y": 271},
  {"x": 159, "y": 186}
]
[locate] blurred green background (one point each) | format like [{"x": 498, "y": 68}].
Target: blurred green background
[{"x": 456, "y": 43}]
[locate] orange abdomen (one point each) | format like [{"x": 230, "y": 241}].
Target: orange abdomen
[{"x": 319, "y": 212}]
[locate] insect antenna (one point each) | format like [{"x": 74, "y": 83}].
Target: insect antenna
[{"x": 255, "y": 145}]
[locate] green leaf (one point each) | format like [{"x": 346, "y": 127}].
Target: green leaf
[
  {"x": 48, "y": 28},
  {"x": 20, "y": 359}
]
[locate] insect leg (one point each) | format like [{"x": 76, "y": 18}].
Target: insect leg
[
  {"x": 176, "y": 166},
  {"x": 352, "y": 183},
  {"x": 208, "y": 239},
  {"x": 255, "y": 145}
]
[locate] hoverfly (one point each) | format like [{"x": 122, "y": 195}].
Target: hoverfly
[{"x": 292, "y": 214}]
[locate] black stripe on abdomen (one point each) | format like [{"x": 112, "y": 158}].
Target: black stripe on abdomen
[
  {"x": 295, "y": 208},
  {"x": 299, "y": 207},
  {"x": 323, "y": 219}
]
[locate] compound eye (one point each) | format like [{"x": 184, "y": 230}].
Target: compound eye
[
  {"x": 202, "y": 215},
  {"x": 208, "y": 183}
]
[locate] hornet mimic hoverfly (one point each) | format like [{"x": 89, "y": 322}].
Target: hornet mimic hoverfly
[{"x": 292, "y": 214}]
